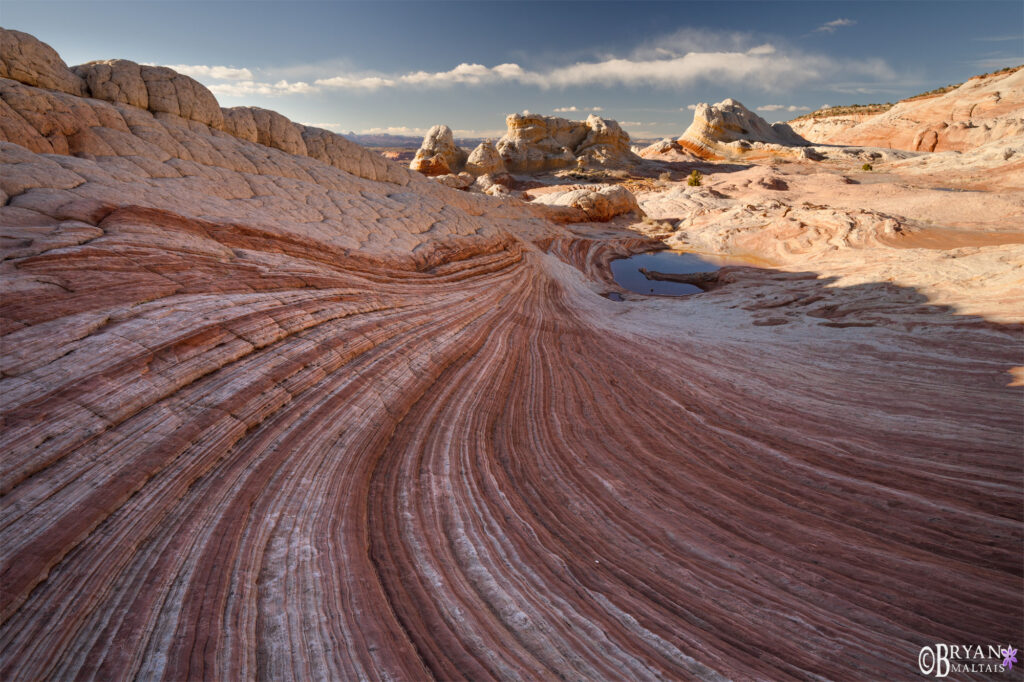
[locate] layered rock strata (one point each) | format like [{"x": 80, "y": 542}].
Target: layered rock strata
[
  {"x": 982, "y": 110},
  {"x": 290, "y": 416}
]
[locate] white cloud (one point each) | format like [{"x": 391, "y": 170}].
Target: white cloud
[
  {"x": 412, "y": 131},
  {"x": 355, "y": 83},
  {"x": 688, "y": 107},
  {"x": 221, "y": 73},
  {"x": 831, "y": 26},
  {"x": 246, "y": 88},
  {"x": 679, "y": 61},
  {"x": 782, "y": 107},
  {"x": 394, "y": 130},
  {"x": 336, "y": 127},
  {"x": 567, "y": 110}
]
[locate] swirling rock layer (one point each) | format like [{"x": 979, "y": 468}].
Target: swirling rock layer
[{"x": 289, "y": 417}]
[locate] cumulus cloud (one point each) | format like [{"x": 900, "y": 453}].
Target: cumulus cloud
[
  {"x": 414, "y": 131},
  {"x": 831, "y": 26},
  {"x": 336, "y": 127},
  {"x": 567, "y": 110},
  {"x": 760, "y": 66},
  {"x": 763, "y": 65},
  {"x": 245, "y": 88},
  {"x": 782, "y": 107},
  {"x": 221, "y": 73},
  {"x": 355, "y": 83},
  {"x": 679, "y": 61},
  {"x": 393, "y": 130}
]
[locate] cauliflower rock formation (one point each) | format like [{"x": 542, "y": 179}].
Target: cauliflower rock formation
[
  {"x": 535, "y": 143},
  {"x": 438, "y": 155},
  {"x": 728, "y": 128},
  {"x": 485, "y": 160}
]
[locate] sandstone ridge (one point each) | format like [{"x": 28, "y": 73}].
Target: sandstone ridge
[
  {"x": 980, "y": 111},
  {"x": 57, "y": 123}
]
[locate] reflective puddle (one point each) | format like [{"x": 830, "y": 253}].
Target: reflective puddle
[{"x": 626, "y": 271}]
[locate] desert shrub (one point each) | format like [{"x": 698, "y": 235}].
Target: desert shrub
[
  {"x": 665, "y": 177},
  {"x": 866, "y": 167},
  {"x": 694, "y": 179}
]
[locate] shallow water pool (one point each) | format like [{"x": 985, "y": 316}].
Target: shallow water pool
[{"x": 626, "y": 271}]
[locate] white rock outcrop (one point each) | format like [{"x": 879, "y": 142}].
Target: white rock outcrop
[
  {"x": 598, "y": 203},
  {"x": 729, "y": 128},
  {"x": 535, "y": 143},
  {"x": 439, "y": 155},
  {"x": 485, "y": 160}
]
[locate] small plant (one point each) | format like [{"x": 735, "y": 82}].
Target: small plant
[
  {"x": 866, "y": 167},
  {"x": 665, "y": 177},
  {"x": 694, "y": 179}
]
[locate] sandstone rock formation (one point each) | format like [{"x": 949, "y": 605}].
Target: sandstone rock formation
[
  {"x": 824, "y": 128},
  {"x": 729, "y": 128},
  {"x": 273, "y": 416},
  {"x": 597, "y": 203},
  {"x": 26, "y": 59},
  {"x": 535, "y": 143},
  {"x": 982, "y": 110},
  {"x": 667, "y": 150},
  {"x": 438, "y": 155},
  {"x": 461, "y": 181},
  {"x": 485, "y": 160}
]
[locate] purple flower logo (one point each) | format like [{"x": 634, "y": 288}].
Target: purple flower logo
[{"x": 1009, "y": 657}]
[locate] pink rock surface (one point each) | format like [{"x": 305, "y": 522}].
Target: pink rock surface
[
  {"x": 274, "y": 415},
  {"x": 978, "y": 112}
]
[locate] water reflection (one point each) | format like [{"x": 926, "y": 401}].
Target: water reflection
[{"x": 626, "y": 271}]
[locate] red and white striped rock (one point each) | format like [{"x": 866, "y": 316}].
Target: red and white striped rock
[{"x": 290, "y": 417}]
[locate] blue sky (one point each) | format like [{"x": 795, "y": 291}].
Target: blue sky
[{"x": 401, "y": 67}]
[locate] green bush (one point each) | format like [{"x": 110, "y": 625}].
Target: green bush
[
  {"x": 866, "y": 167},
  {"x": 694, "y": 179}
]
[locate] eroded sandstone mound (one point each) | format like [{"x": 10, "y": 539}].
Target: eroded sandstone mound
[
  {"x": 310, "y": 415},
  {"x": 728, "y": 128},
  {"x": 535, "y": 143},
  {"x": 439, "y": 155},
  {"x": 485, "y": 160},
  {"x": 982, "y": 110},
  {"x": 596, "y": 203}
]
